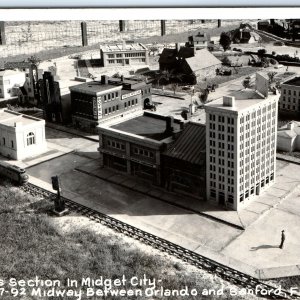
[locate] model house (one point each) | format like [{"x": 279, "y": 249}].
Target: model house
[
  {"x": 135, "y": 145},
  {"x": 10, "y": 81},
  {"x": 193, "y": 65},
  {"x": 241, "y": 134},
  {"x": 125, "y": 54},
  {"x": 198, "y": 41},
  {"x": 288, "y": 137},
  {"x": 95, "y": 102},
  {"x": 289, "y": 101},
  {"x": 21, "y": 136}
]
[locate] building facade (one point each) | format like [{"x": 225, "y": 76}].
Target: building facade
[
  {"x": 21, "y": 136},
  {"x": 184, "y": 163},
  {"x": 124, "y": 54},
  {"x": 290, "y": 96},
  {"x": 135, "y": 145},
  {"x": 93, "y": 103},
  {"x": 241, "y": 148}
]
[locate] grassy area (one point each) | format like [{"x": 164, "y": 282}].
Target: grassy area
[
  {"x": 243, "y": 71},
  {"x": 35, "y": 243}
]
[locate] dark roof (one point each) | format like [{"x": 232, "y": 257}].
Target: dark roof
[
  {"x": 293, "y": 81},
  {"x": 190, "y": 145},
  {"x": 185, "y": 52},
  {"x": 152, "y": 127},
  {"x": 92, "y": 86},
  {"x": 168, "y": 56}
]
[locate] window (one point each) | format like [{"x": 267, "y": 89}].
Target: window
[
  {"x": 12, "y": 144},
  {"x": 30, "y": 139},
  {"x": 3, "y": 141}
]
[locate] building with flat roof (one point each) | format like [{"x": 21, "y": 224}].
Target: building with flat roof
[
  {"x": 135, "y": 145},
  {"x": 93, "y": 103},
  {"x": 124, "y": 54},
  {"x": 241, "y": 145},
  {"x": 289, "y": 101},
  {"x": 21, "y": 136}
]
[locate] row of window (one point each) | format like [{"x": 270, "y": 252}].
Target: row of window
[
  {"x": 289, "y": 92},
  {"x": 137, "y": 54},
  {"x": 30, "y": 140},
  {"x": 221, "y": 119},
  {"x": 289, "y": 99},
  {"x": 129, "y": 103},
  {"x": 110, "y": 110},
  {"x": 116, "y": 145},
  {"x": 143, "y": 152},
  {"x": 111, "y": 96}
]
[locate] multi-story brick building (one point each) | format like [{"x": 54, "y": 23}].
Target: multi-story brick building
[
  {"x": 95, "y": 102},
  {"x": 124, "y": 54},
  {"x": 290, "y": 96},
  {"x": 240, "y": 147},
  {"x": 135, "y": 145}
]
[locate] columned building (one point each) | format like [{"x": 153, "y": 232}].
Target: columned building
[{"x": 241, "y": 146}]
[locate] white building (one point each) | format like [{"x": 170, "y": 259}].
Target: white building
[
  {"x": 21, "y": 136},
  {"x": 290, "y": 96},
  {"x": 8, "y": 80},
  {"x": 288, "y": 137},
  {"x": 241, "y": 146}
]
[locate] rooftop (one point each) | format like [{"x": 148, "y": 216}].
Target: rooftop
[
  {"x": 243, "y": 100},
  {"x": 148, "y": 125},
  {"x": 202, "y": 59},
  {"x": 123, "y": 47},
  {"x": 9, "y": 72},
  {"x": 293, "y": 81},
  {"x": 93, "y": 87},
  {"x": 190, "y": 145},
  {"x": 9, "y": 118}
]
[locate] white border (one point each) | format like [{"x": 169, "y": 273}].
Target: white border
[{"x": 147, "y": 13}]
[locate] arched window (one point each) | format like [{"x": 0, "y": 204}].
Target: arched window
[{"x": 30, "y": 138}]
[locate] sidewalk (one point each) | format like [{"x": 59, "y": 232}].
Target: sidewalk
[{"x": 239, "y": 220}]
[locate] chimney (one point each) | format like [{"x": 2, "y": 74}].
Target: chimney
[
  {"x": 104, "y": 79},
  {"x": 177, "y": 47},
  {"x": 290, "y": 126},
  {"x": 122, "y": 78},
  {"x": 124, "y": 45},
  {"x": 228, "y": 101},
  {"x": 169, "y": 124}
]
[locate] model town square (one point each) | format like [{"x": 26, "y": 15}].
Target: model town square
[{"x": 154, "y": 159}]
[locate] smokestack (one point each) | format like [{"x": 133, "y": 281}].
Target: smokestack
[
  {"x": 169, "y": 124},
  {"x": 124, "y": 45},
  {"x": 177, "y": 46},
  {"x": 104, "y": 79}
]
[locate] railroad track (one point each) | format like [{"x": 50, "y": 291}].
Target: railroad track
[{"x": 197, "y": 260}]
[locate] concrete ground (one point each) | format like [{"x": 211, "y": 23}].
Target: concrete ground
[{"x": 253, "y": 250}]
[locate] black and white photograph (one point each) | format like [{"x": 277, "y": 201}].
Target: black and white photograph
[{"x": 145, "y": 158}]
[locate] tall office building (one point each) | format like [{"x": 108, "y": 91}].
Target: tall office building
[{"x": 241, "y": 145}]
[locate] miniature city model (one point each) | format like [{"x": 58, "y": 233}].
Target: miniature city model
[{"x": 241, "y": 145}]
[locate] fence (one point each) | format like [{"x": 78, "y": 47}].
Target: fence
[{"x": 19, "y": 38}]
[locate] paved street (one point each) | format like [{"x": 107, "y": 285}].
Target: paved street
[{"x": 251, "y": 250}]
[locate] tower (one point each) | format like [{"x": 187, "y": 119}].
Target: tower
[{"x": 241, "y": 147}]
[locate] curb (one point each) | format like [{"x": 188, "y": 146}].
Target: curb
[{"x": 166, "y": 201}]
